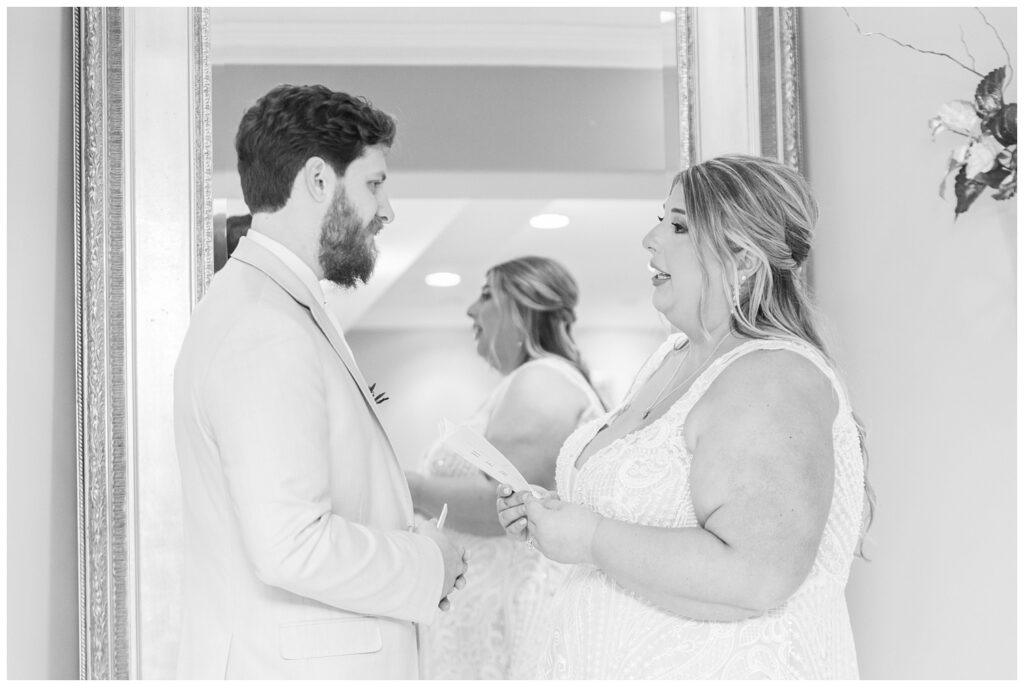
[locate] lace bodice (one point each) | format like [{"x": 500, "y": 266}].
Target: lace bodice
[
  {"x": 496, "y": 624},
  {"x": 601, "y": 630}
]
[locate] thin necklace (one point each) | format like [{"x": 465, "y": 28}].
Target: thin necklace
[{"x": 663, "y": 396}]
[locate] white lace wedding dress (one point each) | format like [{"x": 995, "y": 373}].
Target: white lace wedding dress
[
  {"x": 497, "y": 625},
  {"x": 601, "y": 630}
]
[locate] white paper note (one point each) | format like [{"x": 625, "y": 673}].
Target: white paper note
[{"x": 469, "y": 445}]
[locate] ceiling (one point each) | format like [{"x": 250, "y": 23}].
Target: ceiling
[{"x": 601, "y": 157}]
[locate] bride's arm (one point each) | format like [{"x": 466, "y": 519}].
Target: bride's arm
[
  {"x": 538, "y": 412},
  {"x": 761, "y": 482}
]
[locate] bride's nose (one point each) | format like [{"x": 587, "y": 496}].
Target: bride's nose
[{"x": 648, "y": 240}]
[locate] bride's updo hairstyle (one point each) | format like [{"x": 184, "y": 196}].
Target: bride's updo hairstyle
[
  {"x": 540, "y": 297},
  {"x": 757, "y": 216}
]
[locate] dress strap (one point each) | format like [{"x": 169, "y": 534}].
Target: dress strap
[
  {"x": 704, "y": 381},
  {"x": 570, "y": 372}
]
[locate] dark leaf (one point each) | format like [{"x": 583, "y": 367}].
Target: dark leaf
[
  {"x": 1008, "y": 189},
  {"x": 988, "y": 97},
  {"x": 1006, "y": 193},
  {"x": 1002, "y": 125},
  {"x": 1008, "y": 157},
  {"x": 967, "y": 191},
  {"x": 992, "y": 177}
]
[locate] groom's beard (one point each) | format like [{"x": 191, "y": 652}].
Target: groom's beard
[{"x": 347, "y": 249}]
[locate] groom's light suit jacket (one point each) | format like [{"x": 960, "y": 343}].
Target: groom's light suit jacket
[{"x": 297, "y": 561}]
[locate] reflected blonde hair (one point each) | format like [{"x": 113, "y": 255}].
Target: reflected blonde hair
[
  {"x": 540, "y": 296},
  {"x": 757, "y": 216}
]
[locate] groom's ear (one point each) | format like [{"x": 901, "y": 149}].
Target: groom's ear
[{"x": 317, "y": 178}]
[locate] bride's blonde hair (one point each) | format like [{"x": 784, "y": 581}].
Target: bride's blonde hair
[
  {"x": 540, "y": 296},
  {"x": 757, "y": 216}
]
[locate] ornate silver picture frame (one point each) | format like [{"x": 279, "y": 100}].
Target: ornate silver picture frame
[
  {"x": 144, "y": 256},
  {"x": 115, "y": 51},
  {"x": 739, "y": 83}
]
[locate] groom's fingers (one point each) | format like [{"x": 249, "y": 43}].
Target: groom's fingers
[
  {"x": 514, "y": 513},
  {"x": 509, "y": 514},
  {"x": 445, "y": 604},
  {"x": 514, "y": 524}
]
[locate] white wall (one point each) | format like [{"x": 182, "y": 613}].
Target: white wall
[
  {"x": 42, "y": 592},
  {"x": 924, "y": 314},
  {"x": 431, "y": 374}
]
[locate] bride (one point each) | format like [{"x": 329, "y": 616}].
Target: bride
[
  {"x": 522, "y": 321},
  {"x": 712, "y": 518}
]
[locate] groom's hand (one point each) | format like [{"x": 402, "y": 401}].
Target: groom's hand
[
  {"x": 512, "y": 512},
  {"x": 455, "y": 562}
]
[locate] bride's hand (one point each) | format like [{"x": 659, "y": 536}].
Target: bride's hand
[
  {"x": 512, "y": 512},
  {"x": 561, "y": 531}
]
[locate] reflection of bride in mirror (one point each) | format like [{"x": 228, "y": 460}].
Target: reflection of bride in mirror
[{"x": 522, "y": 321}]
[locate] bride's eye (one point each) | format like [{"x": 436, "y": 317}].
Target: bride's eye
[{"x": 681, "y": 228}]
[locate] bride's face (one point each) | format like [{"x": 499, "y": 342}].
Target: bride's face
[
  {"x": 497, "y": 339},
  {"x": 679, "y": 267}
]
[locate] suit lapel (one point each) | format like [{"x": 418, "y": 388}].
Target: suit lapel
[{"x": 251, "y": 253}]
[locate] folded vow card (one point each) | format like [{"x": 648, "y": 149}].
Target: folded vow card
[{"x": 469, "y": 445}]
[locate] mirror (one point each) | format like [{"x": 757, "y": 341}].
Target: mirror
[{"x": 504, "y": 114}]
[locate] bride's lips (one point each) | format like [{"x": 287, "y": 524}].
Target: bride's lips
[
  {"x": 659, "y": 277},
  {"x": 477, "y": 331}
]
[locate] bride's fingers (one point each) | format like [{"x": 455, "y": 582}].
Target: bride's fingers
[{"x": 536, "y": 510}]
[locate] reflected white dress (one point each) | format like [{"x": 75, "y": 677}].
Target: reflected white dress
[
  {"x": 497, "y": 624},
  {"x": 601, "y": 630}
]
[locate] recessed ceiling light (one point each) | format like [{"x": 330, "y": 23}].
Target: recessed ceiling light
[
  {"x": 666, "y": 16},
  {"x": 441, "y": 279},
  {"x": 549, "y": 221}
]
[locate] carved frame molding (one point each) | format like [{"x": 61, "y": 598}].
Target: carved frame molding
[
  {"x": 202, "y": 151},
  {"x": 792, "y": 105},
  {"x": 687, "y": 83},
  {"x": 104, "y": 319},
  {"x": 100, "y": 341},
  {"x": 774, "y": 59}
]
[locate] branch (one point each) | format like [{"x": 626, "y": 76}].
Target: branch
[
  {"x": 967, "y": 48},
  {"x": 1009, "y": 61},
  {"x": 908, "y": 45}
]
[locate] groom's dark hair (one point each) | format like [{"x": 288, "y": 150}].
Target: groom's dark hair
[{"x": 291, "y": 124}]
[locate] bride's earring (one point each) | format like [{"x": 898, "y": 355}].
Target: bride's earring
[{"x": 737, "y": 282}]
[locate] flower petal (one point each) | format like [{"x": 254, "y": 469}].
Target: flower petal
[
  {"x": 982, "y": 156},
  {"x": 958, "y": 116}
]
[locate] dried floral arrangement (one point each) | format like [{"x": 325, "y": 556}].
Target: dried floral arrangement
[{"x": 988, "y": 159}]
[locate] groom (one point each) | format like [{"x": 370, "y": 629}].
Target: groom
[{"x": 301, "y": 560}]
